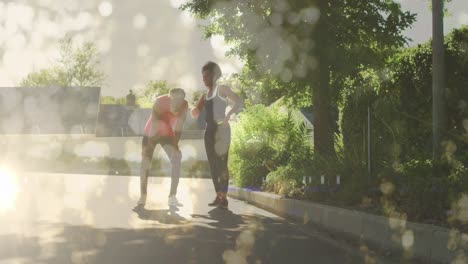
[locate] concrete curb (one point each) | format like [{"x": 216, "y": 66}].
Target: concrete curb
[{"x": 427, "y": 242}]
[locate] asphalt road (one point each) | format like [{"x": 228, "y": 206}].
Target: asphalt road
[{"x": 72, "y": 218}]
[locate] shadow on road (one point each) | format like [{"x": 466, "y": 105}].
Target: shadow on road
[
  {"x": 163, "y": 216},
  {"x": 222, "y": 218}
]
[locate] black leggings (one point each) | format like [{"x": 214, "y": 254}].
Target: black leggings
[{"x": 217, "y": 142}]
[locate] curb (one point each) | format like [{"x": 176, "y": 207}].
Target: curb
[{"x": 430, "y": 243}]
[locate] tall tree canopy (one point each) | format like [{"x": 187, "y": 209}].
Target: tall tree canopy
[
  {"x": 76, "y": 66},
  {"x": 310, "y": 47}
]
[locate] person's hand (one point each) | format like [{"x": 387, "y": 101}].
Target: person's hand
[
  {"x": 226, "y": 121},
  {"x": 195, "y": 112}
]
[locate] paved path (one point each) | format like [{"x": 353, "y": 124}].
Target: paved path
[{"x": 55, "y": 218}]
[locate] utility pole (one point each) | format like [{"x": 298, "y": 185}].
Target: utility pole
[
  {"x": 369, "y": 142},
  {"x": 438, "y": 78}
]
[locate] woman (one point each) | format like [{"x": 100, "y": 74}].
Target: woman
[{"x": 218, "y": 131}]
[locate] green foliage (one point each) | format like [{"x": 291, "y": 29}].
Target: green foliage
[
  {"x": 153, "y": 89},
  {"x": 285, "y": 180},
  {"x": 265, "y": 89},
  {"x": 196, "y": 96},
  {"x": 45, "y": 77},
  {"x": 112, "y": 100},
  {"x": 411, "y": 81},
  {"x": 196, "y": 168},
  {"x": 68, "y": 162},
  {"x": 425, "y": 190},
  {"x": 264, "y": 139},
  {"x": 306, "y": 49},
  {"x": 355, "y": 37},
  {"x": 401, "y": 106},
  {"x": 77, "y": 66},
  {"x": 145, "y": 97}
]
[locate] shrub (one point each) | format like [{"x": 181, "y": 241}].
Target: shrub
[
  {"x": 264, "y": 139},
  {"x": 285, "y": 180},
  {"x": 425, "y": 190}
]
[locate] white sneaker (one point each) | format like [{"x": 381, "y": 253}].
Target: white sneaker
[
  {"x": 142, "y": 200},
  {"x": 172, "y": 201}
]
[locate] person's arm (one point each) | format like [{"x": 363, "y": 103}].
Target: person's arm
[
  {"x": 156, "y": 115},
  {"x": 180, "y": 122},
  {"x": 199, "y": 107},
  {"x": 228, "y": 93}
]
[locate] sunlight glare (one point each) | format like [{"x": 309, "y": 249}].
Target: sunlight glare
[
  {"x": 92, "y": 149},
  {"x": 143, "y": 50},
  {"x": 407, "y": 239},
  {"x": 139, "y": 21},
  {"x": 105, "y": 9},
  {"x": 177, "y": 3},
  {"x": 187, "y": 19},
  {"x": 219, "y": 46},
  {"x": 8, "y": 189},
  {"x": 463, "y": 19}
]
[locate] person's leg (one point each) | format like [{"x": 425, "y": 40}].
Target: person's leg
[
  {"x": 224, "y": 173},
  {"x": 223, "y": 140},
  {"x": 147, "y": 149},
  {"x": 211, "y": 155},
  {"x": 175, "y": 156}
]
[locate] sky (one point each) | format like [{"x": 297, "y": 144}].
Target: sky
[
  {"x": 139, "y": 40},
  {"x": 421, "y": 30}
]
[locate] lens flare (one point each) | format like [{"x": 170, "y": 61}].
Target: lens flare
[{"x": 8, "y": 189}]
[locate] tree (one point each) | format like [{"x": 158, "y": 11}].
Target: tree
[
  {"x": 113, "y": 100},
  {"x": 153, "y": 88},
  {"x": 80, "y": 64},
  {"x": 52, "y": 76},
  {"x": 309, "y": 47},
  {"x": 266, "y": 89},
  {"x": 402, "y": 105},
  {"x": 196, "y": 96},
  {"x": 77, "y": 66}
]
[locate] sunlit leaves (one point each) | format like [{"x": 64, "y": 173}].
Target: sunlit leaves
[{"x": 76, "y": 66}]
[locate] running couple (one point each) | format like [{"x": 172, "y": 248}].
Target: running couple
[{"x": 165, "y": 125}]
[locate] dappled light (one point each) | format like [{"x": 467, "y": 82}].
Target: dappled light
[
  {"x": 280, "y": 131},
  {"x": 33, "y": 30},
  {"x": 407, "y": 239},
  {"x": 460, "y": 209},
  {"x": 9, "y": 189},
  {"x": 92, "y": 149},
  {"x": 245, "y": 243},
  {"x": 139, "y": 21},
  {"x": 74, "y": 207},
  {"x": 463, "y": 18},
  {"x": 105, "y": 8}
]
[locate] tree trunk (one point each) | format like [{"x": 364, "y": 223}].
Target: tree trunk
[{"x": 323, "y": 129}]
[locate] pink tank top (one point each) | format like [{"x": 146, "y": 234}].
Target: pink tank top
[{"x": 167, "y": 120}]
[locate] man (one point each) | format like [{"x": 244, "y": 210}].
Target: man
[
  {"x": 164, "y": 127},
  {"x": 131, "y": 99}
]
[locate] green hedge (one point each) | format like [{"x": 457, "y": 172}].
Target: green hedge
[{"x": 264, "y": 139}]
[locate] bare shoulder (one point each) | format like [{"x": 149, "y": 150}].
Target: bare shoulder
[
  {"x": 225, "y": 90},
  {"x": 224, "y": 87},
  {"x": 157, "y": 105}
]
